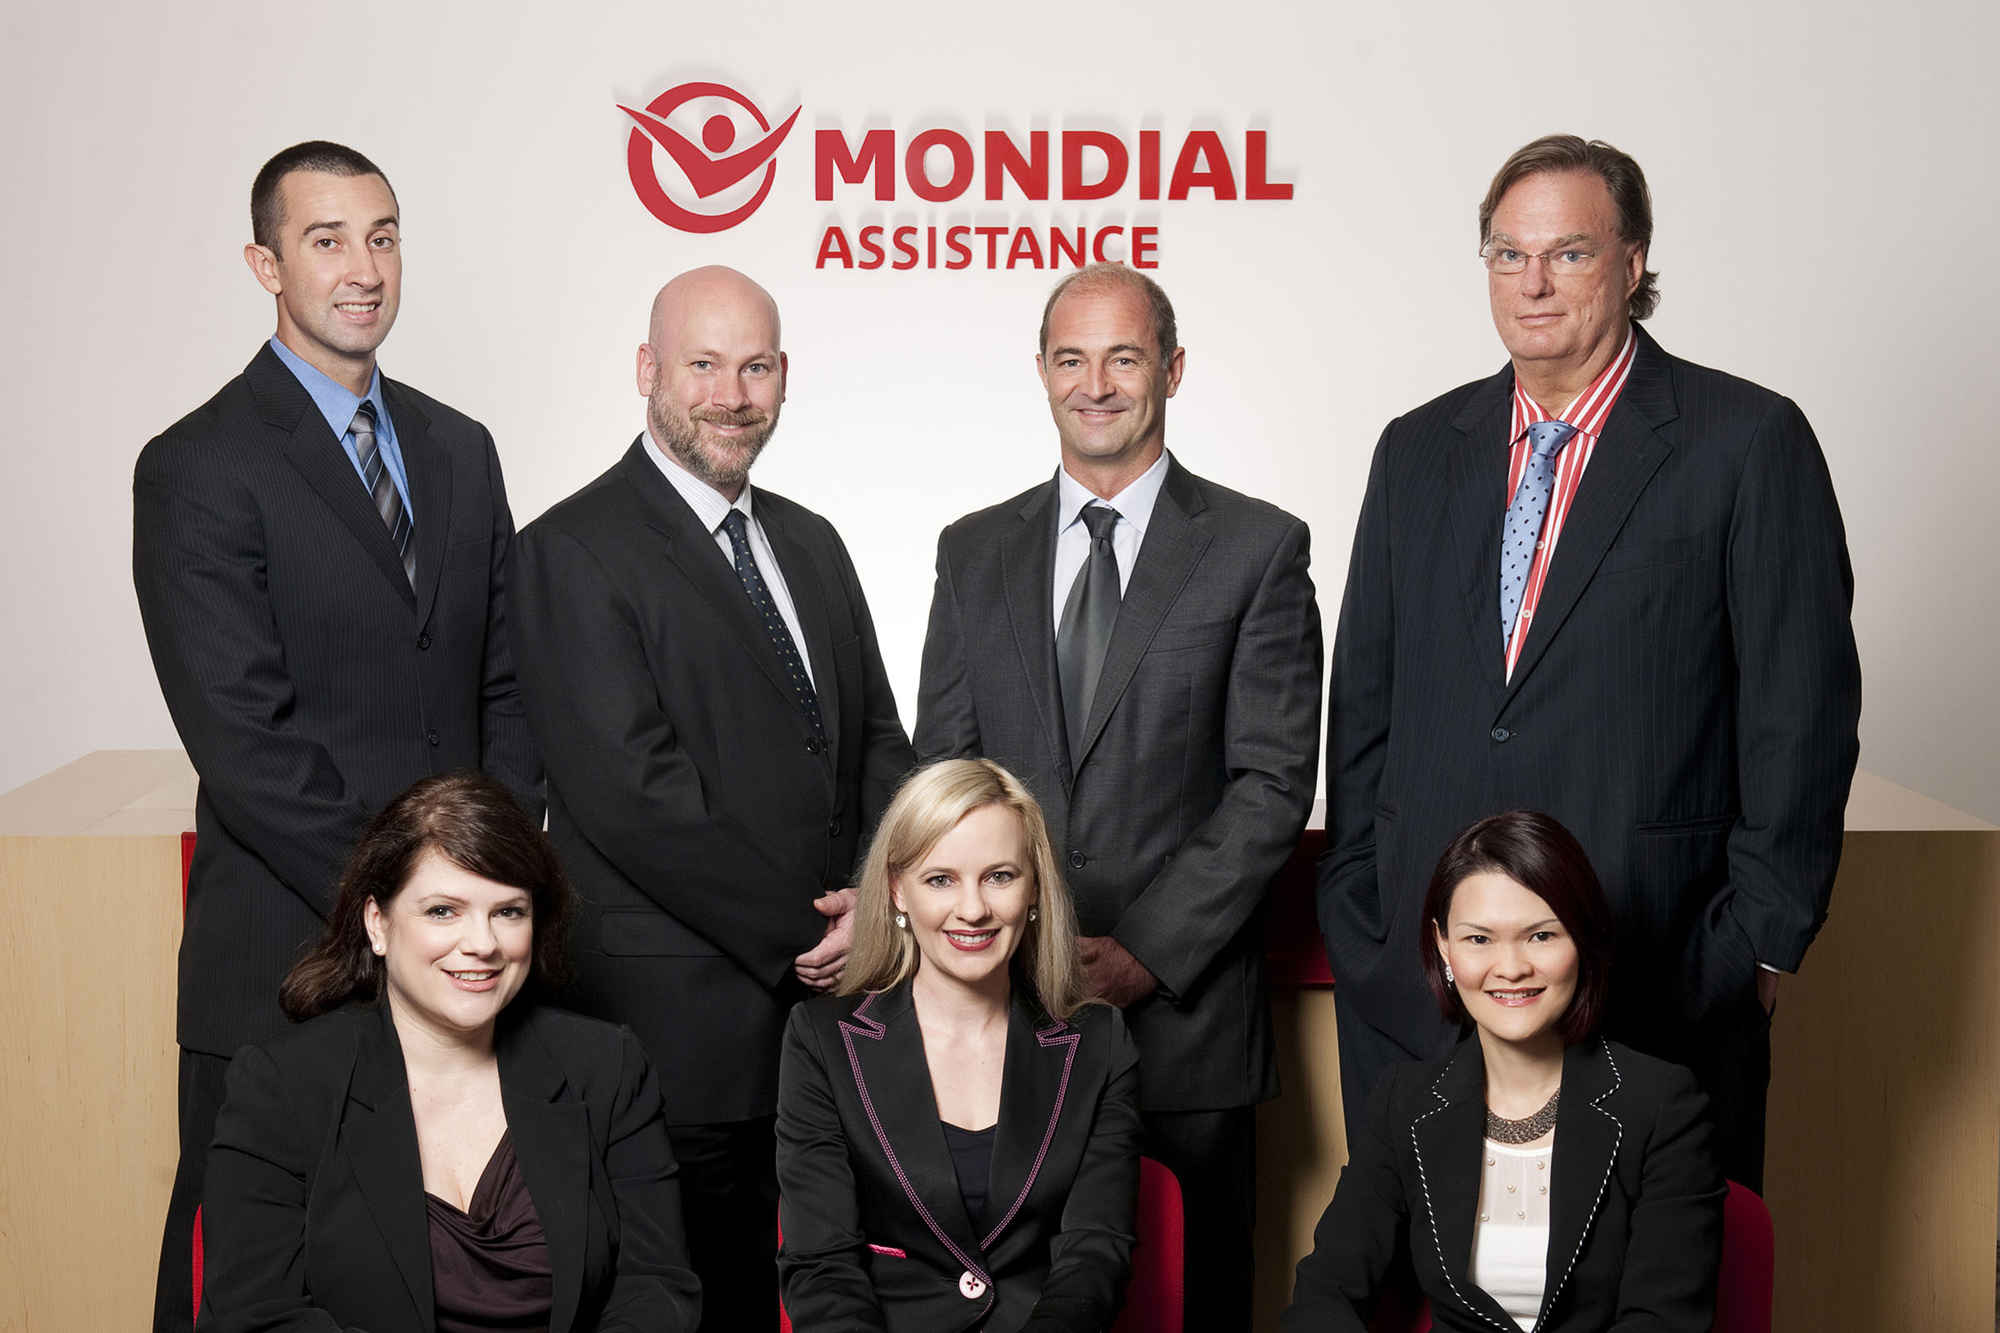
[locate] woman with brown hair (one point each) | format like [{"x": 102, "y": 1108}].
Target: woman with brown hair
[
  {"x": 1540, "y": 1177},
  {"x": 958, "y": 1130},
  {"x": 433, "y": 1148}
]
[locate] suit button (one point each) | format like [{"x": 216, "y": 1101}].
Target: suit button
[
  {"x": 1502, "y": 735},
  {"x": 970, "y": 1286},
  {"x": 431, "y": 736},
  {"x": 813, "y": 745},
  {"x": 833, "y": 828},
  {"x": 423, "y": 643},
  {"x": 1077, "y": 860}
]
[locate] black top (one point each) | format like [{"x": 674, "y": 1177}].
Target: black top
[
  {"x": 1635, "y": 1201},
  {"x": 313, "y": 1208},
  {"x": 972, "y": 1162},
  {"x": 490, "y": 1263}
]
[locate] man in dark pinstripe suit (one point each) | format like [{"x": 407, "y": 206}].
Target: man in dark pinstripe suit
[
  {"x": 1612, "y": 585},
  {"x": 320, "y": 557}
]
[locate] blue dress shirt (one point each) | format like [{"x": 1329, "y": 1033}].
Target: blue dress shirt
[{"x": 337, "y": 403}]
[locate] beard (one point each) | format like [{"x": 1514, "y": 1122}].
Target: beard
[{"x": 723, "y": 463}]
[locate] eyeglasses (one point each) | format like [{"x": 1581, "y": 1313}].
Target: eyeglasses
[{"x": 1569, "y": 261}]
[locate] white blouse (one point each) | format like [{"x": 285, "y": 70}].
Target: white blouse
[{"x": 1510, "y": 1242}]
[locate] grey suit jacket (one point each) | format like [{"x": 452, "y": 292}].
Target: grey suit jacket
[{"x": 1198, "y": 759}]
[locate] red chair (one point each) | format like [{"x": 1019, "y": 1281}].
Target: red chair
[
  {"x": 1742, "y": 1289},
  {"x": 1153, "y": 1295},
  {"x": 187, "y": 860}
]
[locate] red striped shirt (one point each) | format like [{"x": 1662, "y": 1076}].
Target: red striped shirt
[{"x": 1587, "y": 414}]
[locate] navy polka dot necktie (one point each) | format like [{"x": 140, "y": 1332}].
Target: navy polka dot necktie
[
  {"x": 1523, "y": 532},
  {"x": 774, "y": 624}
]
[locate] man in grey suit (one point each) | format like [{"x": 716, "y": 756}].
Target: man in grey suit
[{"x": 1141, "y": 647}]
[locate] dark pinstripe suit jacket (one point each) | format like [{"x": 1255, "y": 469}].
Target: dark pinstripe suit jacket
[
  {"x": 1197, "y": 768},
  {"x": 692, "y": 804},
  {"x": 1685, "y": 702},
  {"x": 307, "y": 679}
]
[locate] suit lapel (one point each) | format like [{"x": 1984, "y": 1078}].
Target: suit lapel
[
  {"x": 694, "y": 552},
  {"x": 316, "y": 453},
  {"x": 1587, "y": 1142},
  {"x": 1625, "y": 459},
  {"x": 1041, "y": 1053},
  {"x": 429, "y": 470},
  {"x": 1175, "y": 541},
  {"x": 807, "y": 581},
  {"x": 379, "y": 1139},
  {"x": 1027, "y": 566},
  {"x": 1450, "y": 1142},
  {"x": 552, "y": 1145},
  {"x": 885, "y": 1052},
  {"x": 1476, "y": 501}
]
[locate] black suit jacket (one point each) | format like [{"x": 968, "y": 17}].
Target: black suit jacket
[
  {"x": 1197, "y": 769},
  {"x": 876, "y": 1234},
  {"x": 313, "y": 1212},
  {"x": 1685, "y": 701},
  {"x": 308, "y": 681},
  {"x": 691, "y": 802},
  {"x": 1635, "y": 1202}
]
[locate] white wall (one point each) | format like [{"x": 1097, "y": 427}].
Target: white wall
[{"x": 1822, "y": 174}]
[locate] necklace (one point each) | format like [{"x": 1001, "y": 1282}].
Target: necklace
[{"x": 1524, "y": 1131}]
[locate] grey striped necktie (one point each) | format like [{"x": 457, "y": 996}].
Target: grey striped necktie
[
  {"x": 1084, "y": 632},
  {"x": 382, "y": 488}
]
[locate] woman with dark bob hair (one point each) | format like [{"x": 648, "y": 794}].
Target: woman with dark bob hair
[
  {"x": 433, "y": 1148},
  {"x": 1540, "y": 1176}
]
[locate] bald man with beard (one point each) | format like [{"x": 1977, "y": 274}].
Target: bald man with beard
[{"x": 699, "y": 662}]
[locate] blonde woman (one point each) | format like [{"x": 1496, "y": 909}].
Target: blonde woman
[{"x": 958, "y": 1129}]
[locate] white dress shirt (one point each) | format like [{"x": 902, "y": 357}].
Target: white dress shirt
[
  {"x": 710, "y": 508},
  {"x": 1135, "y": 509},
  {"x": 1510, "y": 1242}
]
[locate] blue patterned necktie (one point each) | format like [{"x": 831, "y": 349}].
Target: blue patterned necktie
[
  {"x": 1524, "y": 518},
  {"x": 382, "y": 488},
  {"x": 774, "y": 624}
]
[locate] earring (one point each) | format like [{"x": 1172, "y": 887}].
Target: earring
[
  {"x": 1449, "y": 979},
  {"x": 379, "y": 949},
  {"x": 1034, "y": 914},
  {"x": 902, "y": 922}
]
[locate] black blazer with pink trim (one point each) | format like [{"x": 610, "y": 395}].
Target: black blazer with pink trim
[
  {"x": 1635, "y": 1201},
  {"x": 876, "y": 1236}
]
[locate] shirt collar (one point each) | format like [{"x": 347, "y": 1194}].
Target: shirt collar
[
  {"x": 1134, "y": 504},
  {"x": 710, "y": 505},
  {"x": 1586, "y": 412},
  {"x": 335, "y": 401}
]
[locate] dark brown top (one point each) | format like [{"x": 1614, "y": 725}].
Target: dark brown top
[{"x": 490, "y": 1264}]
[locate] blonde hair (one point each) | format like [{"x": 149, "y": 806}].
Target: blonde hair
[{"x": 929, "y": 805}]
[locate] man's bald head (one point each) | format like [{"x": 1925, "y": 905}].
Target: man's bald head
[
  {"x": 713, "y": 374},
  {"x": 712, "y": 288}
]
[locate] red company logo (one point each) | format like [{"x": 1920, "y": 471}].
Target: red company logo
[{"x": 710, "y": 168}]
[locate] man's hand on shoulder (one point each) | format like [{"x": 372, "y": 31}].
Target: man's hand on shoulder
[
  {"x": 819, "y": 967},
  {"x": 1111, "y": 973}
]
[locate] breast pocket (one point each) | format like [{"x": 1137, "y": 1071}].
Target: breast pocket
[{"x": 1189, "y": 635}]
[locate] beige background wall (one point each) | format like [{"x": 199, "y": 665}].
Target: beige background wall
[{"x": 1822, "y": 172}]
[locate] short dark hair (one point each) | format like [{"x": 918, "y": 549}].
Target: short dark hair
[
  {"x": 267, "y": 203},
  {"x": 474, "y": 823},
  {"x": 1621, "y": 176},
  {"x": 1165, "y": 332},
  {"x": 1542, "y": 856}
]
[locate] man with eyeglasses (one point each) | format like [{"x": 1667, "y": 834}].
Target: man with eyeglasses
[{"x": 1611, "y": 585}]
